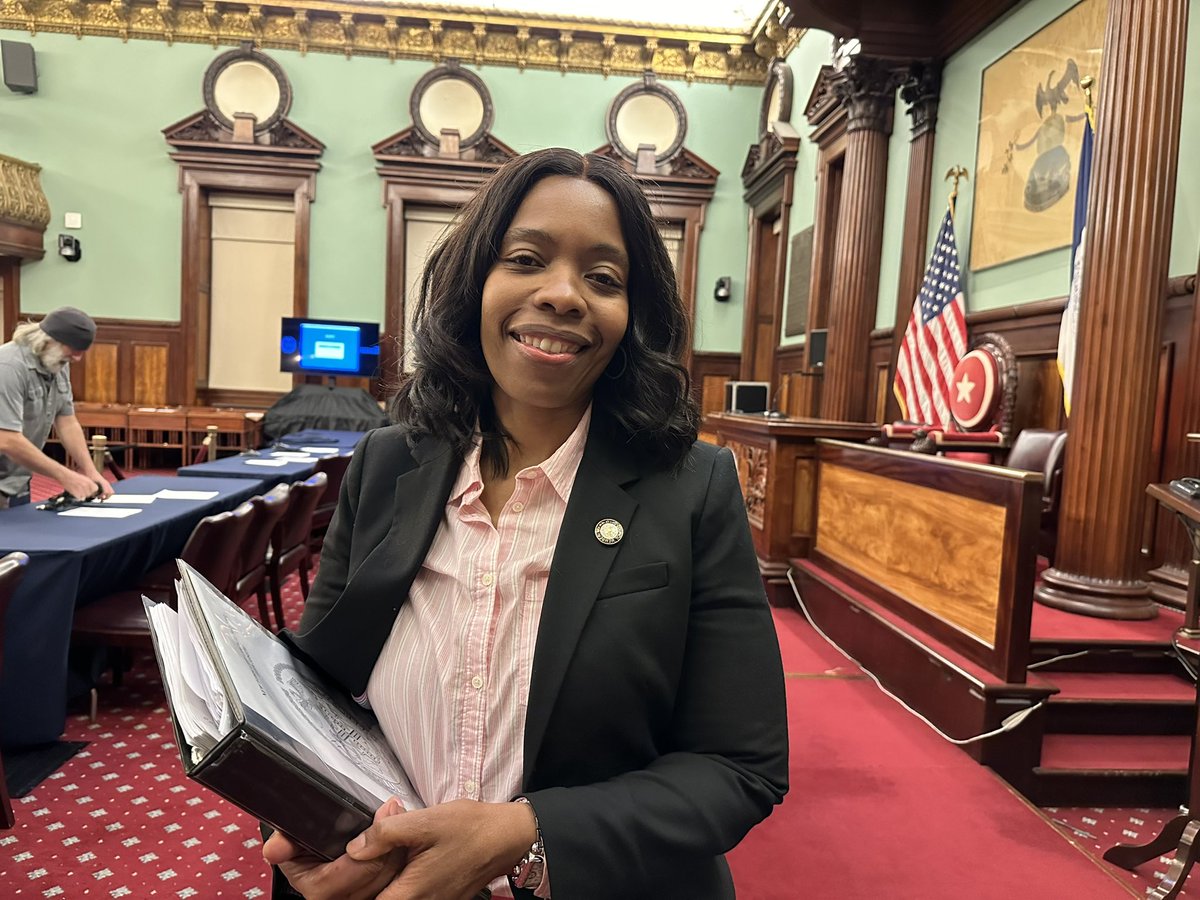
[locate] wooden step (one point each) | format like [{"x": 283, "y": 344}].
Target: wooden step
[
  {"x": 1111, "y": 770},
  {"x": 1120, "y": 703},
  {"x": 1087, "y": 656}
]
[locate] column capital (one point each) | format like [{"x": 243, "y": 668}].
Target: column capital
[
  {"x": 867, "y": 87},
  {"x": 921, "y": 89}
]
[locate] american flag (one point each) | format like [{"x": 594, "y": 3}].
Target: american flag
[{"x": 936, "y": 336}]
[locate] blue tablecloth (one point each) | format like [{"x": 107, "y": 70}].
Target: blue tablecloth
[
  {"x": 74, "y": 561},
  {"x": 243, "y": 467},
  {"x": 345, "y": 441}
]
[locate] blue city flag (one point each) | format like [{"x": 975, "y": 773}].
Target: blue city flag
[{"x": 1069, "y": 330}]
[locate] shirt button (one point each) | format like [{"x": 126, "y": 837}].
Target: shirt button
[
  {"x": 518, "y": 506},
  {"x": 470, "y": 788},
  {"x": 487, "y": 579},
  {"x": 477, "y": 682}
]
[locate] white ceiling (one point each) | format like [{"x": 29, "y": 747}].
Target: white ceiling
[{"x": 708, "y": 15}]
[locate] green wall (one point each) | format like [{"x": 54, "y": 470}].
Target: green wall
[
  {"x": 1046, "y": 275},
  {"x": 95, "y": 128}
]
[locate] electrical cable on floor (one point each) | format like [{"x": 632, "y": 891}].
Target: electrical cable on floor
[
  {"x": 1054, "y": 659},
  {"x": 1181, "y": 656},
  {"x": 1007, "y": 724}
]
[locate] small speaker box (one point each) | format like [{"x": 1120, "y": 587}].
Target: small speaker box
[
  {"x": 20, "y": 68},
  {"x": 816, "y": 347},
  {"x": 746, "y": 396}
]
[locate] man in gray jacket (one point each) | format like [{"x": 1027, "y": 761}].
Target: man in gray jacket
[{"x": 35, "y": 395}]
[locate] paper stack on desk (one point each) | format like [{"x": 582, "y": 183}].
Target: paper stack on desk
[{"x": 261, "y": 729}]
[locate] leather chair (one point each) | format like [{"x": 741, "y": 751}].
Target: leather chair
[
  {"x": 12, "y": 570},
  {"x": 1043, "y": 450},
  {"x": 119, "y": 619},
  {"x": 334, "y": 468},
  {"x": 252, "y": 559},
  {"x": 290, "y": 541}
]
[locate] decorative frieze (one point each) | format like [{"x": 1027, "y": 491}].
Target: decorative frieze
[
  {"x": 371, "y": 30},
  {"x": 22, "y": 201}
]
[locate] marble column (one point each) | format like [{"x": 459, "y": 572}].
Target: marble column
[{"x": 1098, "y": 570}]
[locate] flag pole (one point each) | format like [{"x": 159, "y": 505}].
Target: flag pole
[
  {"x": 955, "y": 172},
  {"x": 1089, "y": 106}
]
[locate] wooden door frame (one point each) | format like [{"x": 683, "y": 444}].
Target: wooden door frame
[{"x": 769, "y": 178}]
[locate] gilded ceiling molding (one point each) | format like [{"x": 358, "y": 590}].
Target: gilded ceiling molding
[
  {"x": 22, "y": 201},
  {"x": 563, "y": 44}
]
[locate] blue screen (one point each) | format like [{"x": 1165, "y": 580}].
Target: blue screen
[{"x": 329, "y": 347}]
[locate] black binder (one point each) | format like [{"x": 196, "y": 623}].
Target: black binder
[{"x": 264, "y": 771}]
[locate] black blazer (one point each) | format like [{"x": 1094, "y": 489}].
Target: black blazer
[{"x": 656, "y": 733}]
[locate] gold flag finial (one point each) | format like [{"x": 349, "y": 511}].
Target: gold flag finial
[
  {"x": 957, "y": 173},
  {"x": 1086, "y": 83}
]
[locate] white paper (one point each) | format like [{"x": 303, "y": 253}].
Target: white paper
[
  {"x": 99, "y": 512},
  {"x": 168, "y": 494},
  {"x": 297, "y": 455},
  {"x": 187, "y": 704},
  {"x": 322, "y": 451},
  {"x": 127, "y": 499},
  {"x": 270, "y": 463}
]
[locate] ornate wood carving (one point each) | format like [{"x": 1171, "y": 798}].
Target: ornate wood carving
[
  {"x": 752, "y": 473},
  {"x": 24, "y": 210},
  {"x": 921, "y": 92},
  {"x": 1097, "y": 569},
  {"x": 865, "y": 88},
  {"x": 482, "y": 36},
  {"x": 202, "y": 131}
]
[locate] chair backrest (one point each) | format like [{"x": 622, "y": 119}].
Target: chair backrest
[
  {"x": 334, "y": 468},
  {"x": 983, "y": 391},
  {"x": 268, "y": 509},
  {"x": 215, "y": 541},
  {"x": 1040, "y": 450},
  {"x": 12, "y": 570},
  {"x": 294, "y": 528}
]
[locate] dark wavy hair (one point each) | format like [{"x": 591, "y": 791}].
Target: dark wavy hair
[{"x": 644, "y": 397}]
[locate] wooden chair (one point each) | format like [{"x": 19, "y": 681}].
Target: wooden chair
[
  {"x": 118, "y": 621},
  {"x": 334, "y": 468},
  {"x": 290, "y": 540},
  {"x": 213, "y": 543},
  {"x": 12, "y": 570},
  {"x": 252, "y": 560}
]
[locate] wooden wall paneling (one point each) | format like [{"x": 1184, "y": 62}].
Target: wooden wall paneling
[
  {"x": 1154, "y": 468},
  {"x": 150, "y": 368},
  {"x": 102, "y": 375},
  {"x": 10, "y": 293},
  {"x": 709, "y": 371},
  {"x": 1172, "y": 552},
  {"x": 1098, "y": 569}
]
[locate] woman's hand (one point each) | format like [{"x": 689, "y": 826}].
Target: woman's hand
[
  {"x": 452, "y": 850},
  {"x": 343, "y": 878}
]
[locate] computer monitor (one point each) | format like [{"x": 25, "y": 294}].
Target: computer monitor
[{"x": 328, "y": 347}]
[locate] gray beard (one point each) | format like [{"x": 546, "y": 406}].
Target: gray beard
[{"x": 54, "y": 358}]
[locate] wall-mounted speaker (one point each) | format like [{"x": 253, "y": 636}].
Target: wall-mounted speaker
[
  {"x": 20, "y": 68},
  {"x": 816, "y": 347}
]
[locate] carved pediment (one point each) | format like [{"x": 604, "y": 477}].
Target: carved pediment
[
  {"x": 775, "y": 146},
  {"x": 203, "y": 130},
  {"x": 684, "y": 165},
  {"x": 408, "y": 144},
  {"x": 824, "y": 96}
]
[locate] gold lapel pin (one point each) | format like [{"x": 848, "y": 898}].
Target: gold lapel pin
[{"x": 609, "y": 531}]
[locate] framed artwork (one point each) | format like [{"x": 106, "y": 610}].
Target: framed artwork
[{"x": 1030, "y": 128}]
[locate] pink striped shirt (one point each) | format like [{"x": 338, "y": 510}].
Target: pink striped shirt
[{"x": 451, "y": 685}]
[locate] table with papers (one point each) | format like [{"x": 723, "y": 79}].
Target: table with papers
[{"x": 75, "y": 558}]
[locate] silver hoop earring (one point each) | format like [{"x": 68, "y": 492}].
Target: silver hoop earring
[{"x": 624, "y": 364}]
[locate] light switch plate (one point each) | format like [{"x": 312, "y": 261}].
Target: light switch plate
[{"x": 72, "y": 220}]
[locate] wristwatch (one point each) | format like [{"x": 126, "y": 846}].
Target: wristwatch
[{"x": 529, "y": 871}]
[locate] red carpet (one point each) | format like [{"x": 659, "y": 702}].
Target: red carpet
[{"x": 880, "y": 807}]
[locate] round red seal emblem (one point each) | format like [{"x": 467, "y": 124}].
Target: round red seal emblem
[{"x": 973, "y": 394}]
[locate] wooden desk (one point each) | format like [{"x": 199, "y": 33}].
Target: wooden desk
[
  {"x": 237, "y": 430},
  {"x": 777, "y": 468},
  {"x": 1182, "y": 832}
]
